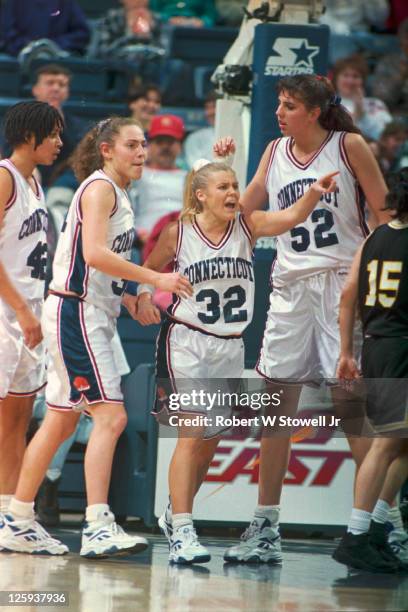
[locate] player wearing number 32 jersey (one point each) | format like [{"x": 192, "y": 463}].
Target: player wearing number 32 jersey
[{"x": 200, "y": 345}]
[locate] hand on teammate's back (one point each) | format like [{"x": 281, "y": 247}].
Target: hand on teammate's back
[{"x": 30, "y": 326}]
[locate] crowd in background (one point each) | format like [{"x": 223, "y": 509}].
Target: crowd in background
[{"x": 374, "y": 92}]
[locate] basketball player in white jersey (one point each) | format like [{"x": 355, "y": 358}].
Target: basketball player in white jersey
[
  {"x": 32, "y": 130},
  {"x": 201, "y": 341},
  {"x": 301, "y": 338},
  {"x": 78, "y": 323}
]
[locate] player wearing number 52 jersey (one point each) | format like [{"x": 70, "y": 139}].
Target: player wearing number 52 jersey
[
  {"x": 301, "y": 337},
  {"x": 32, "y": 129},
  {"x": 200, "y": 346}
]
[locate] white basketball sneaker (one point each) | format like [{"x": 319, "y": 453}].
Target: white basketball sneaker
[
  {"x": 185, "y": 547},
  {"x": 165, "y": 524},
  {"x": 260, "y": 543},
  {"x": 104, "y": 538},
  {"x": 398, "y": 540},
  {"x": 28, "y": 536}
]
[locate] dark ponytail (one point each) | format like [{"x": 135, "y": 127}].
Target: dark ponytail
[
  {"x": 317, "y": 91},
  {"x": 397, "y": 197},
  {"x": 87, "y": 157}
]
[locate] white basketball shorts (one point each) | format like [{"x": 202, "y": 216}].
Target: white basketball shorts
[
  {"x": 191, "y": 362},
  {"x": 22, "y": 370},
  {"x": 82, "y": 364},
  {"x": 301, "y": 341}
]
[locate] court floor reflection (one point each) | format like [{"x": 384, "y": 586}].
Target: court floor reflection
[{"x": 308, "y": 581}]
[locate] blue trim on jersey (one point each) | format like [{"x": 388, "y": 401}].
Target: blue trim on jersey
[
  {"x": 75, "y": 353},
  {"x": 77, "y": 281}
]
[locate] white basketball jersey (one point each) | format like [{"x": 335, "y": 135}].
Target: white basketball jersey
[
  {"x": 222, "y": 276},
  {"x": 70, "y": 271},
  {"x": 23, "y": 238},
  {"x": 334, "y": 230}
]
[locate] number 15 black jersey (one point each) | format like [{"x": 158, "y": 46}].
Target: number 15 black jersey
[
  {"x": 23, "y": 239},
  {"x": 335, "y": 229},
  {"x": 222, "y": 276},
  {"x": 383, "y": 281}
]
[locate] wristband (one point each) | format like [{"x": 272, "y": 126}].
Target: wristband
[{"x": 145, "y": 288}]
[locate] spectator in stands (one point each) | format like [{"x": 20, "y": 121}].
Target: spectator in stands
[
  {"x": 134, "y": 19},
  {"x": 398, "y": 13},
  {"x": 390, "y": 145},
  {"x": 369, "y": 114},
  {"x": 391, "y": 75},
  {"x": 52, "y": 85},
  {"x": 200, "y": 143},
  {"x": 62, "y": 22},
  {"x": 192, "y": 13},
  {"x": 230, "y": 12},
  {"x": 344, "y": 16},
  {"x": 144, "y": 103},
  {"x": 160, "y": 190}
]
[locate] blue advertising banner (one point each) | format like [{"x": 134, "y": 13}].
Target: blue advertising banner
[{"x": 280, "y": 50}]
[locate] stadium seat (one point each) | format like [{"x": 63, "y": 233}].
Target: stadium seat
[
  {"x": 200, "y": 46},
  {"x": 9, "y": 76},
  {"x": 134, "y": 468},
  {"x": 94, "y": 9},
  {"x": 139, "y": 343}
]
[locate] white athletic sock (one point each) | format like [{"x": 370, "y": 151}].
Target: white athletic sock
[
  {"x": 269, "y": 512},
  {"x": 5, "y": 503},
  {"x": 168, "y": 511},
  {"x": 380, "y": 512},
  {"x": 181, "y": 520},
  {"x": 97, "y": 512},
  {"x": 394, "y": 516},
  {"x": 21, "y": 510},
  {"x": 359, "y": 522}
]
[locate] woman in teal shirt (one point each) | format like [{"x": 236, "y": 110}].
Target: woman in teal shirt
[{"x": 194, "y": 13}]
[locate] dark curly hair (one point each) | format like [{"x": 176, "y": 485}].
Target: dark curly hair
[{"x": 397, "y": 197}]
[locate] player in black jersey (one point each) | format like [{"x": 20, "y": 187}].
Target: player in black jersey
[{"x": 378, "y": 287}]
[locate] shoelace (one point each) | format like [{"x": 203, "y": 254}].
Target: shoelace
[
  {"x": 44, "y": 533},
  {"x": 251, "y": 531},
  {"x": 190, "y": 536}
]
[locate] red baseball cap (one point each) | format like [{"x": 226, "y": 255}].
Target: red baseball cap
[{"x": 166, "y": 125}]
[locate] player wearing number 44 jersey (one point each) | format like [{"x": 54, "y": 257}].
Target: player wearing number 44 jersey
[
  {"x": 200, "y": 344},
  {"x": 32, "y": 129}
]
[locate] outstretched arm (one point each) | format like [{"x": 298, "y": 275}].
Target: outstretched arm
[
  {"x": 275, "y": 223},
  {"x": 97, "y": 204}
]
